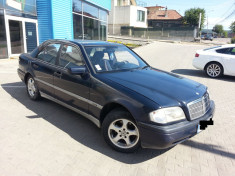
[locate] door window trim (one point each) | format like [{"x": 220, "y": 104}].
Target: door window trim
[{"x": 44, "y": 47}]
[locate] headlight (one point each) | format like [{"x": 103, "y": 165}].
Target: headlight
[{"x": 167, "y": 115}]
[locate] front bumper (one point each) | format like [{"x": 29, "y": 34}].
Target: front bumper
[{"x": 161, "y": 137}]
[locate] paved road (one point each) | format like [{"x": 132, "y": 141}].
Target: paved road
[{"x": 43, "y": 138}]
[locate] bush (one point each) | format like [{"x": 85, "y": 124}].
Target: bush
[{"x": 233, "y": 40}]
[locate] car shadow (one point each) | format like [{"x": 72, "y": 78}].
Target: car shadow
[
  {"x": 209, "y": 148},
  {"x": 201, "y": 74},
  {"x": 79, "y": 128}
]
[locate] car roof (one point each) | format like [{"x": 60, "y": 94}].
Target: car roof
[{"x": 85, "y": 42}]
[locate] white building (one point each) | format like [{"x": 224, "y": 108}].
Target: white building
[{"x": 126, "y": 13}]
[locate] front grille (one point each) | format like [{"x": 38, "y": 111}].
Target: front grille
[{"x": 199, "y": 107}]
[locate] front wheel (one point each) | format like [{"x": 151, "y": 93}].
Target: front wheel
[
  {"x": 32, "y": 89},
  {"x": 214, "y": 70},
  {"x": 120, "y": 131}
]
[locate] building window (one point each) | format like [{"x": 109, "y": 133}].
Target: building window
[
  {"x": 77, "y": 6},
  {"x": 103, "y": 15},
  {"x": 103, "y": 29},
  {"x": 77, "y": 26},
  {"x": 3, "y": 41},
  {"x": 91, "y": 30},
  {"x": 140, "y": 15},
  {"x": 89, "y": 22},
  {"x": 90, "y": 10},
  {"x": 22, "y": 6}
]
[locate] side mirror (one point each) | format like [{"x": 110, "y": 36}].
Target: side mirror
[{"x": 79, "y": 70}]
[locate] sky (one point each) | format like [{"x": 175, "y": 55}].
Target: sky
[{"x": 216, "y": 10}]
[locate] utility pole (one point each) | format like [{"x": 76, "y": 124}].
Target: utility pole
[{"x": 199, "y": 24}]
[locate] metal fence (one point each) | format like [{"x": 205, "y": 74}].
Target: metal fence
[{"x": 166, "y": 33}]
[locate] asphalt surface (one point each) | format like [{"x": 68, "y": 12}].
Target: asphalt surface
[{"x": 43, "y": 138}]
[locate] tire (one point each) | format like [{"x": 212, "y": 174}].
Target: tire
[
  {"x": 214, "y": 70},
  {"x": 120, "y": 131},
  {"x": 32, "y": 89}
]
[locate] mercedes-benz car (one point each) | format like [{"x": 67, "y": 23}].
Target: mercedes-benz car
[{"x": 133, "y": 103}]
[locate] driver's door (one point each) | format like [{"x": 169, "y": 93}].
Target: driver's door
[{"x": 71, "y": 89}]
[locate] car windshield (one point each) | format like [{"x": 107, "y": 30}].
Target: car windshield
[{"x": 113, "y": 58}]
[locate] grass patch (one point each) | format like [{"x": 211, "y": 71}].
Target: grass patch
[{"x": 130, "y": 45}]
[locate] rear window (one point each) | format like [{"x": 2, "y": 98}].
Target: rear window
[{"x": 212, "y": 48}]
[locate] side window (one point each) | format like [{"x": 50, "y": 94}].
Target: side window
[
  {"x": 232, "y": 51},
  {"x": 223, "y": 51},
  {"x": 49, "y": 53},
  {"x": 70, "y": 57}
]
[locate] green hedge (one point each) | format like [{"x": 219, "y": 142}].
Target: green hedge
[{"x": 233, "y": 40}]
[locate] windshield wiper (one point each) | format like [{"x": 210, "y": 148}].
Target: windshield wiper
[{"x": 146, "y": 66}]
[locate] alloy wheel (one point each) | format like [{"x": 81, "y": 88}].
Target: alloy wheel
[
  {"x": 213, "y": 70},
  {"x": 31, "y": 87},
  {"x": 123, "y": 133}
]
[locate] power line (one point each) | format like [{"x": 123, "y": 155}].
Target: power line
[
  {"x": 226, "y": 18},
  {"x": 231, "y": 7}
]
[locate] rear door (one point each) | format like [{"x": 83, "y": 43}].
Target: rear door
[
  {"x": 71, "y": 89},
  {"x": 44, "y": 67}
]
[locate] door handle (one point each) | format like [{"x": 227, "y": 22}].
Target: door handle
[
  {"x": 58, "y": 74},
  {"x": 35, "y": 65}
]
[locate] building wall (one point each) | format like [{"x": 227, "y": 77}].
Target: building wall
[
  {"x": 133, "y": 17},
  {"x": 124, "y": 16},
  {"x": 44, "y": 20},
  {"x": 62, "y": 19}
]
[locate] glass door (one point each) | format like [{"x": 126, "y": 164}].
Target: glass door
[{"x": 16, "y": 37}]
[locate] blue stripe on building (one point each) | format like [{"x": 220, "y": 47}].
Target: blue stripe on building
[
  {"x": 62, "y": 19},
  {"x": 44, "y": 20}
]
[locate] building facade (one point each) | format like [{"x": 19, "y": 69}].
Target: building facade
[
  {"x": 18, "y": 27},
  {"x": 73, "y": 19},
  {"x": 126, "y": 13},
  {"x": 26, "y": 23}
]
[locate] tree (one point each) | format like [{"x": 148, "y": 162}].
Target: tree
[
  {"x": 225, "y": 34},
  {"x": 191, "y": 16},
  {"x": 219, "y": 29},
  {"x": 232, "y": 27}
]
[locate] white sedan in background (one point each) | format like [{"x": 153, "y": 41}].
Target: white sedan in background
[{"x": 216, "y": 61}]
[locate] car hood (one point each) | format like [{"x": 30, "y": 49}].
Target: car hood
[{"x": 166, "y": 89}]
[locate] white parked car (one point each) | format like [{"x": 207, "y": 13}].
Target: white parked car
[{"x": 216, "y": 61}]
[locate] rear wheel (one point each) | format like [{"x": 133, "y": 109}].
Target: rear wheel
[
  {"x": 32, "y": 89},
  {"x": 120, "y": 131},
  {"x": 214, "y": 70}
]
